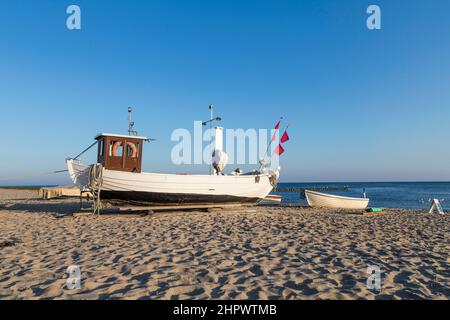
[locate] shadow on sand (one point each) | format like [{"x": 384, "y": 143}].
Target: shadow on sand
[{"x": 57, "y": 206}]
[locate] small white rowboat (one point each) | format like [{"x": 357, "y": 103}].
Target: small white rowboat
[{"x": 322, "y": 200}]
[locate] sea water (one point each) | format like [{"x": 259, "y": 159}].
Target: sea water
[{"x": 407, "y": 195}]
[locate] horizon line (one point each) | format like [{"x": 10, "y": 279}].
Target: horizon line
[{"x": 299, "y": 182}]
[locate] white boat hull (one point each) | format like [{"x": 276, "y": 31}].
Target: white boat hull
[
  {"x": 322, "y": 200},
  {"x": 171, "y": 189}
]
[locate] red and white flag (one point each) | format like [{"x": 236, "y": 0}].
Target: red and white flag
[
  {"x": 277, "y": 127},
  {"x": 285, "y": 137},
  {"x": 278, "y": 124},
  {"x": 279, "y": 150}
]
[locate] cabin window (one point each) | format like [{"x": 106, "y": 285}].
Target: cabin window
[
  {"x": 101, "y": 146},
  {"x": 115, "y": 149}
]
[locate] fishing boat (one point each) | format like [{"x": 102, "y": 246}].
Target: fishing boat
[
  {"x": 117, "y": 177},
  {"x": 323, "y": 200}
]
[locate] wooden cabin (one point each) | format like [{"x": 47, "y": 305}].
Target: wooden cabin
[{"x": 120, "y": 152}]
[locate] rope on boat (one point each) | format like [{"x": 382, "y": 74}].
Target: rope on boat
[{"x": 95, "y": 185}]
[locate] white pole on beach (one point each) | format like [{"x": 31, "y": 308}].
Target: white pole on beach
[
  {"x": 211, "y": 120},
  {"x": 211, "y": 107}
]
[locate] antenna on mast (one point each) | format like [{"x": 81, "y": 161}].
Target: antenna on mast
[{"x": 131, "y": 132}]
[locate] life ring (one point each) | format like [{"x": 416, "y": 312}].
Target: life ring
[
  {"x": 133, "y": 149},
  {"x": 117, "y": 145},
  {"x": 116, "y": 148}
]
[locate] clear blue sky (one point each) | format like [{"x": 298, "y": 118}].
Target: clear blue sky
[{"x": 363, "y": 105}]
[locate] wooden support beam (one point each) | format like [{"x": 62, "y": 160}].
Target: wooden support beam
[{"x": 182, "y": 207}]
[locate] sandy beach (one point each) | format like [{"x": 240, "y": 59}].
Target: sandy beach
[{"x": 261, "y": 253}]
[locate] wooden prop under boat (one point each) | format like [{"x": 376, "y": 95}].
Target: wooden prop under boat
[
  {"x": 272, "y": 199},
  {"x": 323, "y": 200}
]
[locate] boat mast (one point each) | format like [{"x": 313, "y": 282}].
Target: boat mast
[{"x": 131, "y": 132}]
